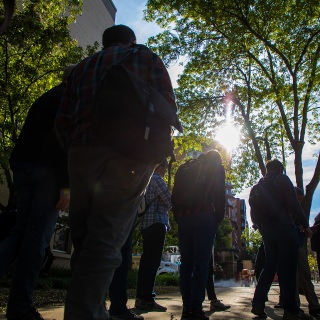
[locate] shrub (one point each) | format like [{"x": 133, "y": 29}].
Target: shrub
[
  {"x": 132, "y": 279},
  {"x": 60, "y": 272},
  {"x": 167, "y": 279}
]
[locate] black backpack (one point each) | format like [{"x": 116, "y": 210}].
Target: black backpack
[
  {"x": 265, "y": 205},
  {"x": 190, "y": 187},
  {"x": 132, "y": 117}
]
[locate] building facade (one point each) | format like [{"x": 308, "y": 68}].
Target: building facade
[{"x": 96, "y": 16}]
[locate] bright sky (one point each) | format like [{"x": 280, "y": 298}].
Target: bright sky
[{"x": 130, "y": 13}]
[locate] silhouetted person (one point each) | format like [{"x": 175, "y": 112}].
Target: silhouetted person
[
  {"x": 281, "y": 244},
  {"x": 153, "y": 227},
  {"x": 40, "y": 177},
  {"x": 106, "y": 186}
]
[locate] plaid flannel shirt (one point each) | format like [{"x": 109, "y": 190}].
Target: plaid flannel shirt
[
  {"x": 158, "y": 200},
  {"x": 73, "y": 121}
]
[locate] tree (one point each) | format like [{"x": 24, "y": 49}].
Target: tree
[
  {"x": 223, "y": 236},
  {"x": 252, "y": 239},
  {"x": 33, "y": 53},
  {"x": 8, "y": 13},
  {"x": 257, "y": 58},
  {"x": 313, "y": 265}
]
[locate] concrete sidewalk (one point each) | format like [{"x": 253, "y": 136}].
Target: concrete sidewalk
[{"x": 238, "y": 297}]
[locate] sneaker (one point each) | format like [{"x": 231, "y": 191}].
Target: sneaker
[
  {"x": 33, "y": 314},
  {"x": 149, "y": 305},
  {"x": 217, "y": 305},
  {"x": 127, "y": 315},
  {"x": 259, "y": 312}
]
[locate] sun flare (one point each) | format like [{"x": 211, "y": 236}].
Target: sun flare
[{"x": 228, "y": 136}]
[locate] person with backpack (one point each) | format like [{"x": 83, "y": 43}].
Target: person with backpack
[
  {"x": 304, "y": 283},
  {"x": 153, "y": 227},
  {"x": 198, "y": 201},
  {"x": 107, "y": 181},
  {"x": 275, "y": 211}
]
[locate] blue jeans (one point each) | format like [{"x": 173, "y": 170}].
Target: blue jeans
[
  {"x": 106, "y": 189},
  {"x": 196, "y": 234},
  {"x": 153, "y": 242},
  {"x": 281, "y": 244},
  {"x": 37, "y": 197},
  {"x": 118, "y": 287},
  {"x": 211, "y": 292}
]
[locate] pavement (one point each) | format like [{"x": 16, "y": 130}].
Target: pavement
[{"x": 238, "y": 297}]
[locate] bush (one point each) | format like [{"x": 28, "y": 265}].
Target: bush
[
  {"x": 59, "y": 272},
  {"x": 132, "y": 279},
  {"x": 167, "y": 279}
]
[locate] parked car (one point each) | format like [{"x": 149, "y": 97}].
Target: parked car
[{"x": 168, "y": 267}]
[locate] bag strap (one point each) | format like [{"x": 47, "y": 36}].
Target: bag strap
[
  {"x": 147, "y": 207},
  {"x": 140, "y": 215}
]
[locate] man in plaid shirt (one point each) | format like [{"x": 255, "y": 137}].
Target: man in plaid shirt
[
  {"x": 106, "y": 187},
  {"x": 153, "y": 227}
]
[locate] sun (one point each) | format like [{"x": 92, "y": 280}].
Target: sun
[{"x": 228, "y": 135}]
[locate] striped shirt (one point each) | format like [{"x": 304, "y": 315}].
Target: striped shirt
[
  {"x": 158, "y": 200},
  {"x": 74, "y": 118}
]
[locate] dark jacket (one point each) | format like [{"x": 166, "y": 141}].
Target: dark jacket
[
  {"x": 216, "y": 194},
  {"x": 292, "y": 212},
  {"x": 37, "y": 144}
]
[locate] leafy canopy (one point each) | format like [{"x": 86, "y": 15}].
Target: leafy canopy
[
  {"x": 260, "y": 57},
  {"x": 33, "y": 53}
]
